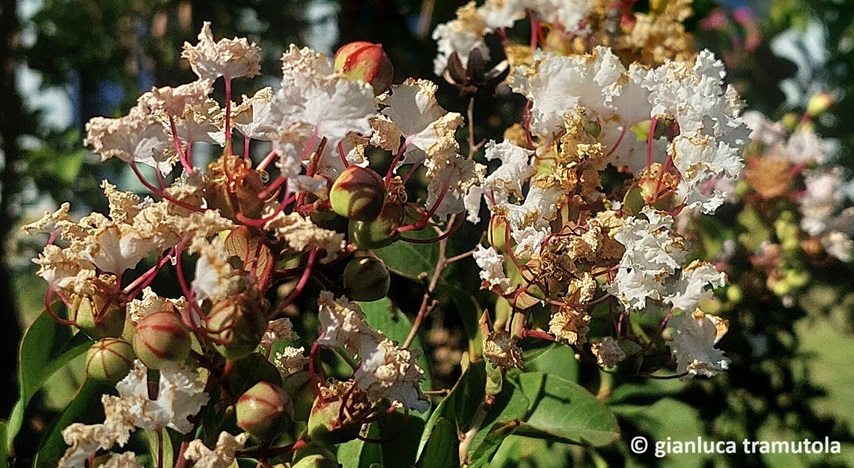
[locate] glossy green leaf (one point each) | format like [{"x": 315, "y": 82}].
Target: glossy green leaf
[
  {"x": 45, "y": 348},
  {"x": 442, "y": 448},
  {"x": 492, "y": 442},
  {"x": 85, "y": 407},
  {"x": 409, "y": 259},
  {"x": 358, "y": 453},
  {"x": 554, "y": 359},
  {"x": 461, "y": 403},
  {"x": 564, "y": 411},
  {"x": 470, "y": 312},
  {"x": 399, "y": 439}
]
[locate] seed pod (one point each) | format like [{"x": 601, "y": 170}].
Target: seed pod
[
  {"x": 264, "y": 410},
  {"x": 366, "y": 279},
  {"x": 358, "y": 193},
  {"x": 161, "y": 339},
  {"x": 109, "y": 360},
  {"x": 365, "y": 61}
]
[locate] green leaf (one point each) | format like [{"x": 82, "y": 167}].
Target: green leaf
[
  {"x": 554, "y": 359},
  {"x": 564, "y": 411},
  {"x": 385, "y": 316},
  {"x": 45, "y": 348},
  {"x": 4, "y": 454},
  {"x": 492, "y": 442},
  {"x": 409, "y": 259},
  {"x": 85, "y": 407},
  {"x": 461, "y": 403},
  {"x": 442, "y": 448},
  {"x": 360, "y": 454},
  {"x": 470, "y": 312}
]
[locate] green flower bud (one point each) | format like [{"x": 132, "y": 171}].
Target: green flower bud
[
  {"x": 314, "y": 456},
  {"x": 161, "y": 339},
  {"x": 358, "y": 193},
  {"x": 366, "y": 279},
  {"x": 497, "y": 234},
  {"x": 264, "y": 410},
  {"x": 96, "y": 320},
  {"x": 365, "y": 61},
  {"x": 378, "y": 232},
  {"x": 109, "y": 360},
  {"x": 324, "y": 426},
  {"x": 235, "y": 328}
]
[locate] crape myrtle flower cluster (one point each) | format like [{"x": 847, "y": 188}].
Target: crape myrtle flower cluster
[{"x": 628, "y": 135}]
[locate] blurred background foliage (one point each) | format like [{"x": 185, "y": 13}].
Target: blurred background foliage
[{"x": 65, "y": 61}]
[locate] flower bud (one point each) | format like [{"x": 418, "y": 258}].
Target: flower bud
[
  {"x": 358, "y": 193},
  {"x": 109, "y": 360},
  {"x": 497, "y": 234},
  {"x": 97, "y": 319},
  {"x": 365, "y": 61},
  {"x": 161, "y": 339},
  {"x": 324, "y": 425},
  {"x": 378, "y": 232},
  {"x": 819, "y": 103},
  {"x": 314, "y": 456},
  {"x": 366, "y": 279},
  {"x": 264, "y": 410},
  {"x": 235, "y": 328}
]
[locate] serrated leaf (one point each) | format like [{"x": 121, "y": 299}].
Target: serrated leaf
[
  {"x": 45, "y": 348},
  {"x": 52, "y": 446},
  {"x": 564, "y": 411},
  {"x": 442, "y": 448}
]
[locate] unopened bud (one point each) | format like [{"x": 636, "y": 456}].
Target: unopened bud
[
  {"x": 366, "y": 279},
  {"x": 161, "y": 339},
  {"x": 264, "y": 410},
  {"x": 235, "y": 328},
  {"x": 358, "y": 193},
  {"x": 98, "y": 319},
  {"x": 378, "y": 232},
  {"x": 365, "y": 61},
  {"x": 819, "y": 103},
  {"x": 109, "y": 360}
]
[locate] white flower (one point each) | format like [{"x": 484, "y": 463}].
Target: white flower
[
  {"x": 85, "y": 440},
  {"x": 222, "y": 456},
  {"x": 687, "y": 293},
  {"x": 180, "y": 395},
  {"x": 693, "y": 344},
  {"x": 342, "y": 323},
  {"x": 173, "y": 101},
  {"x": 279, "y": 329},
  {"x": 138, "y": 137},
  {"x": 390, "y": 373},
  {"x": 820, "y": 200},
  {"x": 460, "y": 36},
  {"x": 415, "y": 114},
  {"x": 529, "y": 241},
  {"x": 513, "y": 171},
  {"x": 231, "y": 58},
  {"x": 653, "y": 253},
  {"x": 123, "y": 460},
  {"x": 291, "y": 360},
  {"x": 313, "y": 95},
  {"x": 491, "y": 265}
]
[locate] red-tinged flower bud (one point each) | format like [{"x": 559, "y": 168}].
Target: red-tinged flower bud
[
  {"x": 314, "y": 456},
  {"x": 161, "y": 339},
  {"x": 358, "y": 193},
  {"x": 264, "y": 411},
  {"x": 365, "y": 61},
  {"x": 235, "y": 328},
  {"x": 96, "y": 318},
  {"x": 324, "y": 425},
  {"x": 378, "y": 232},
  {"x": 109, "y": 360},
  {"x": 366, "y": 279},
  {"x": 819, "y": 103}
]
